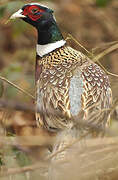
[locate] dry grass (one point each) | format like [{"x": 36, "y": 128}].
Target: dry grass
[{"x": 81, "y": 158}]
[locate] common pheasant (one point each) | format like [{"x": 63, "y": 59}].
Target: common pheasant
[{"x": 68, "y": 83}]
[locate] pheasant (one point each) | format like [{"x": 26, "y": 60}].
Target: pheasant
[{"x": 68, "y": 83}]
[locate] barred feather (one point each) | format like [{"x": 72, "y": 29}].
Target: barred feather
[{"x": 68, "y": 82}]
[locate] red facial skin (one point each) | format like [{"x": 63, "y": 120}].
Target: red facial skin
[{"x": 28, "y": 11}]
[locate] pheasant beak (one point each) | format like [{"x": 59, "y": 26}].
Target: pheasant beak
[{"x": 17, "y": 14}]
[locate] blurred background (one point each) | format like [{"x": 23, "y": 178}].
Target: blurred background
[{"x": 93, "y": 23}]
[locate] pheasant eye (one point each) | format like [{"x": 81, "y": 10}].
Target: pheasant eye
[{"x": 35, "y": 10}]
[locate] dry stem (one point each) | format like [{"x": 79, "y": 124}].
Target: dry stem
[{"x": 17, "y": 87}]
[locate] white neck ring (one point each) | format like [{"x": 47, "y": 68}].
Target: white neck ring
[{"x": 47, "y": 48}]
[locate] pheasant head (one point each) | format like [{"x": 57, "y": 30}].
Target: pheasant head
[{"x": 41, "y": 17}]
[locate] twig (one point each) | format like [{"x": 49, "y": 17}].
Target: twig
[
  {"x": 109, "y": 73},
  {"x": 94, "y": 147},
  {"x": 17, "y": 87},
  {"x": 26, "y": 140},
  {"x": 16, "y": 106},
  {"x": 99, "y": 56},
  {"x": 105, "y": 52},
  {"x": 103, "y": 46},
  {"x": 12, "y": 171},
  {"x": 68, "y": 146},
  {"x": 71, "y": 37}
]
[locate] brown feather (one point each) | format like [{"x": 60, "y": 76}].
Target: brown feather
[{"x": 54, "y": 77}]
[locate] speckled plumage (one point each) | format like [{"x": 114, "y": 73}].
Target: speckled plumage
[{"x": 68, "y": 82}]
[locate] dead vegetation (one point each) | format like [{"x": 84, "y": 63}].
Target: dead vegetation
[{"x": 22, "y": 145}]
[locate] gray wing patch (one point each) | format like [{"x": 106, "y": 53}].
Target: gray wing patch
[{"x": 75, "y": 91}]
